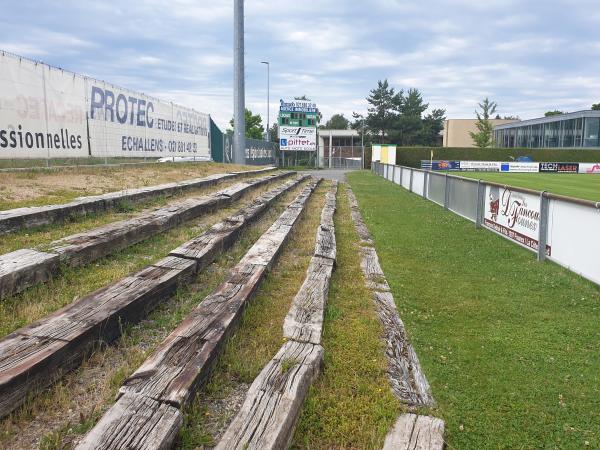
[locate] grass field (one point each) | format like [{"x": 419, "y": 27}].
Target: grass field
[
  {"x": 574, "y": 185},
  {"x": 510, "y": 346}
]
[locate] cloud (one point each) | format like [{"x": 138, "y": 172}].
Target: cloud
[{"x": 528, "y": 56}]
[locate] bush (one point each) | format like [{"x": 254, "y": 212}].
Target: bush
[{"x": 412, "y": 156}]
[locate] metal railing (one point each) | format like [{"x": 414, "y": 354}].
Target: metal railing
[{"x": 556, "y": 227}]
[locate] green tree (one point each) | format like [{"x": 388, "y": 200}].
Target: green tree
[
  {"x": 433, "y": 124},
  {"x": 408, "y": 129},
  {"x": 337, "y": 122},
  {"x": 483, "y": 137},
  {"x": 596, "y": 107},
  {"x": 254, "y": 127},
  {"x": 274, "y": 133},
  {"x": 381, "y": 115},
  {"x": 556, "y": 112}
]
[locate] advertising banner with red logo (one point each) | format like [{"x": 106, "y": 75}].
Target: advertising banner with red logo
[
  {"x": 589, "y": 167},
  {"x": 514, "y": 214}
]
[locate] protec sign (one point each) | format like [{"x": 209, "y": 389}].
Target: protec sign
[{"x": 46, "y": 112}]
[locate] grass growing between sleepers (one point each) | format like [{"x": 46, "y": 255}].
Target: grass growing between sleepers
[
  {"x": 72, "y": 406},
  {"x": 260, "y": 334},
  {"x": 510, "y": 346},
  {"x": 351, "y": 404}
]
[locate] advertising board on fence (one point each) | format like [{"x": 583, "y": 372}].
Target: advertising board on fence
[
  {"x": 297, "y": 138},
  {"x": 589, "y": 167},
  {"x": 481, "y": 166},
  {"x": 513, "y": 214},
  {"x": 522, "y": 167},
  {"x": 46, "y": 112},
  {"x": 42, "y": 111},
  {"x": 559, "y": 167}
]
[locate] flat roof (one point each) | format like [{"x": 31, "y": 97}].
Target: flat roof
[{"x": 557, "y": 118}]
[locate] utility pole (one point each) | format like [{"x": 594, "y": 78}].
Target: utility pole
[
  {"x": 239, "y": 107},
  {"x": 268, "y": 95}
]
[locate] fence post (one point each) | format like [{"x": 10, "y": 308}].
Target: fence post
[
  {"x": 410, "y": 186},
  {"x": 425, "y": 176},
  {"x": 479, "y": 211},
  {"x": 543, "y": 230},
  {"x": 446, "y": 193},
  {"x": 401, "y": 171}
]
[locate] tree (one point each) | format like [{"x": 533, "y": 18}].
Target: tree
[
  {"x": 381, "y": 116},
  {"x": 483, "y": 138},
  {"x": 408, "y": 129},
  {"x": 274, "y": 133},
  {"x": 556, "y": 112},
  {"x": 254, "y": 127},
  {"x": 433, "y": 124},
  {"x": 510, "y": 118},
  {"x": 337, "y": 122},
  {"x": 596, "y": 107}
]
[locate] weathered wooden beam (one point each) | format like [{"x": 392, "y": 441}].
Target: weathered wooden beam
[
  {"x": 37, "y": 355},
  {"x": 269, "y": 413},
  {"x": 23, "y": 268},
  {"x": 181, "y": 363},
  {"x": 83, "y": 248},
  {"x": 29, "y": 217},
  {"x": 407, "y": 379},
  {"x": 135, "y": 423},
  {"x": 415, "y": 432},
  {"x": 304, "y": 321}
]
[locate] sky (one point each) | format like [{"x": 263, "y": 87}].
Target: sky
[{"x": 529, "y": 56}]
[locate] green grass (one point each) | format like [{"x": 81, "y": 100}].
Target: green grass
[
  {"x": 574, "y": 185},
  {"x": 103, "y": 372},
  {"x": 510, "y": 346},
  {"x": 350, "y": 405}
]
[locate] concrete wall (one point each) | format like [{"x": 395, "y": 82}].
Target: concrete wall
[{"x": 456, "y": 131}]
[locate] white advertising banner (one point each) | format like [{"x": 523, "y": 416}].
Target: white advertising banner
[
  {"x": 515, "y": 215},
  {"x": 297, "y": 138},
  {"x": 126, "y": 123},
  {"x": 46, "y": 112},
  {"x": 589, "y": 167},
  {"x": 490, "y": 166},
  {"x": 42, "y": 111},
  {"x": 519, "y": 167}
]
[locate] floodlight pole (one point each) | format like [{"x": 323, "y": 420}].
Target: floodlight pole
[
  {"x": 239, "y": 108},
  {"x": 268, "y": 100}
]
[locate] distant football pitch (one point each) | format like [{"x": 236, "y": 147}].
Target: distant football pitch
[{"x": 574, "y": 185}]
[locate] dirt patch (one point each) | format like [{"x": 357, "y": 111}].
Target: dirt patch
[{"x": 56, "y": 186}]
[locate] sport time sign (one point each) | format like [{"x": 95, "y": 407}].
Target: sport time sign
[
  {"x": 305, "y": 106},
  {"x": 297, "y": 138}
]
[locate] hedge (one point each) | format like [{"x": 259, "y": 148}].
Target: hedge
[{"x": 412, "y": 156}]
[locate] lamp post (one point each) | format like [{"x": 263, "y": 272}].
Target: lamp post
[{"x": 268, "y": 88}]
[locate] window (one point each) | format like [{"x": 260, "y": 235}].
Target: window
[{"x": 592, "y": 127}]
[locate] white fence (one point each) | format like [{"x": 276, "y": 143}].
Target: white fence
[
  {"x": 47, "y": 112},
  {"x": 563, "y": 229}
]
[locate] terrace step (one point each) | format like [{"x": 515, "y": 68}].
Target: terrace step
[
  {"x": 181, "y": 363},
  {"x": 29, "y": 217},
  {"x": 35, "y": 356},
  {"x": 408, "y": 382},
  {"x": 270, "y": 411},
  {"x": 415, "y": 432},
  {"x": 24, "y": 268}
]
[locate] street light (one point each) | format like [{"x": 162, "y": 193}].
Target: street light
[{"x": 268, "y": 83}]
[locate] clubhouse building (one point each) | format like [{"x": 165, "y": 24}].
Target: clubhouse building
[{"x": 571, "y": 130}]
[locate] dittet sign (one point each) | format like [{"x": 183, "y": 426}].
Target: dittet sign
[
  {"x": 297, "y": 138},
  {"x": 514, "y": 214}
]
